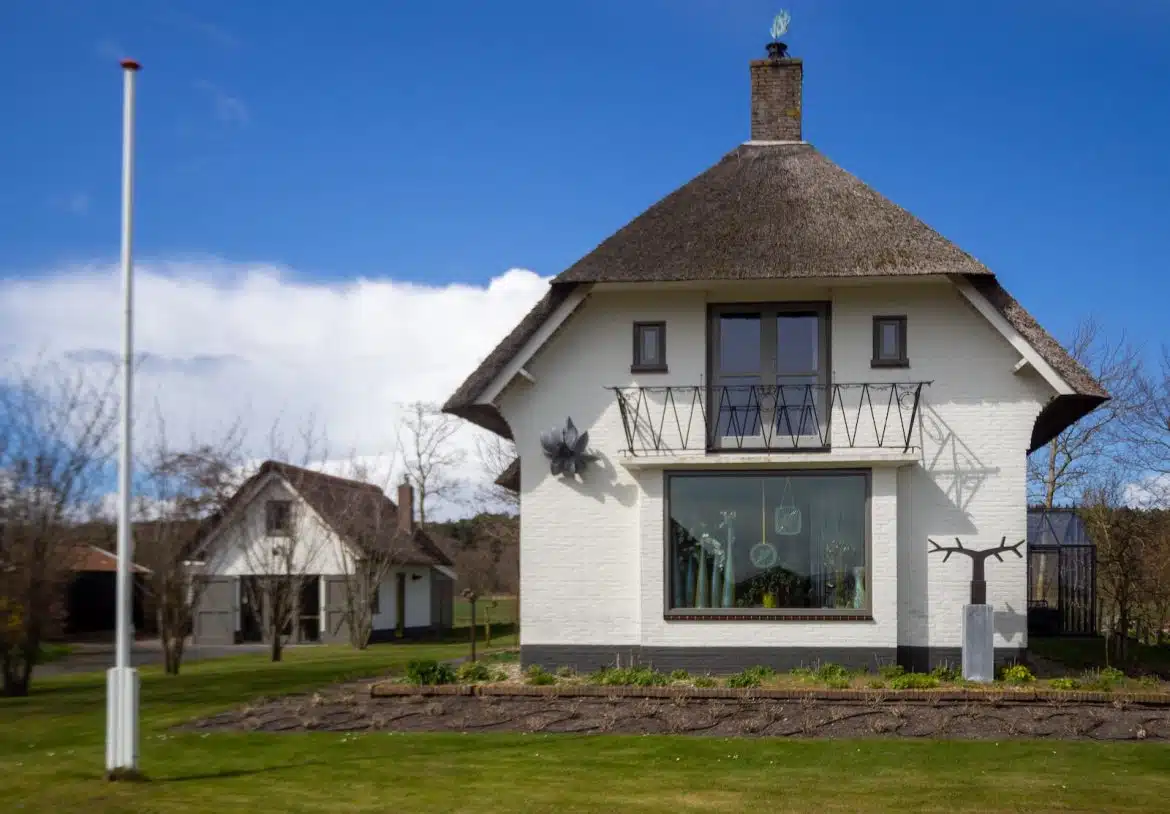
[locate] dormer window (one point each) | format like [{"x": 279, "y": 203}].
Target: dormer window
[
  {"x": 649, "y": 347},
  {"x": 889, "y": 342},
  {"x": 278, "y": 518}
]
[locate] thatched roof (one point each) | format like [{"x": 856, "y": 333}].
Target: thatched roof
[
  {"x": 462, "y": 402},
  {"x": 767, "y": 212},
  {"x": 510, "y": 478},
  {"x": 360, "y": 513},
  {"x": 779, "y": 211}
]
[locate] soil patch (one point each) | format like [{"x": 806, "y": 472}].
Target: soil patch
[{"x": 352, "y": 707}]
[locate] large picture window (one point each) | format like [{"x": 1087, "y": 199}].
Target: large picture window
[{"x": 775, "y": 543}]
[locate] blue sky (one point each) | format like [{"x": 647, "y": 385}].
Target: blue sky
[
  {"x": 444, "y": 142},
  {"x": 321, "y": 184}
]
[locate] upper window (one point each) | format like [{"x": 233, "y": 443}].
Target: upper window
[
  {"x": 278, "y": 518},
  {"x": 649, "y": 347},
  {"x": 769, "y": 375},
  {"x": 771, "y": 544},
  {"x": 889, "y": 342}
]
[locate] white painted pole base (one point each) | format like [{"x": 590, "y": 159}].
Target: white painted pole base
[
  {"x": 978, "y": 643},
  {"x": 122, "y": 719}
]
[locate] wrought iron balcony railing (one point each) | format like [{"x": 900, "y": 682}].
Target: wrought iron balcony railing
[{"x": 769, "y": 418}]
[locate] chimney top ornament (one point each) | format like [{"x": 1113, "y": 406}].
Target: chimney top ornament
[
  {"x": 777, "y": 49},
  {"x": 780, "y": 25}
]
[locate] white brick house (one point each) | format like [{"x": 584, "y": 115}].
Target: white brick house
[{"x": 789, "y": 384}]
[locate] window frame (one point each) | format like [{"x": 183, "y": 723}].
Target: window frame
[
  {"x": 903, "y": 359},
  {"x": 638, "y": 365},
  {"x": 270, "y": 529},
  {"x": 768, "y": 365},
  {"x": 670, "y": 614}
]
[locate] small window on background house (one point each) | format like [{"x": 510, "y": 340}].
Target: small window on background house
[
  {"x": 889, "y": 342},
  {"x": 649, "y": 347},
  {"x": 375, "y": 602},
  {"x": 278, "y": 518}
]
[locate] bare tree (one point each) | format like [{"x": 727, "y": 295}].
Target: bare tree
[
  {"x": 56, "y": 432},
  {"x": 179, "y": 490},
  {"x": 370, "y": 550},
  {"x": 479, "y": 572},
  {"x": 1062, "y": 469},
  {"x": 496, "y": 456},
  {"x": 430, "y": 456},
  {"x": 280, "y": 541},
  {"x": 1148, "y": 430},
  {"x": 1122, "y": 535}
]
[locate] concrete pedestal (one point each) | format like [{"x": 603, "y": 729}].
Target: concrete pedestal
[
  {"x": 978, "y": 643},
  {"x": 121, "y": 719}
]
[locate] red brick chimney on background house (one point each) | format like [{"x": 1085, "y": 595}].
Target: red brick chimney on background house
[
  {"x": 776, "y": 98},
  {"x": 405, "y": 507}
]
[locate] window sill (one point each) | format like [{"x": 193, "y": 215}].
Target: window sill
[
  {"x": 648, "y": 369},
  {"x": 826, "y": 615},
  {"x": 889, "y": 363}
]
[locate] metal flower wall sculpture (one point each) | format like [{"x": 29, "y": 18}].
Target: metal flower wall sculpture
[{"x": 565, "y": 450}]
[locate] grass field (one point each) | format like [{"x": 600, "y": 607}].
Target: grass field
[
  {"x": 505, "y": 611},
  {"x": 51, "y": 757}
]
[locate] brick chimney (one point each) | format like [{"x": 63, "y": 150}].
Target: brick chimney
[
  {"x": 405, "y": 507},
  {"x": 776, "y": 96}
]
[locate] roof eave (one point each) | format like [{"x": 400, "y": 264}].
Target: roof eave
[{"x": 1061, "y": 413}]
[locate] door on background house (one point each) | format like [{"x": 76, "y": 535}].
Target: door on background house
[
  {"x": 309, "y": 611},
  {"x": 251, "y": 610},
  {"x": 215, "y": 615},
  {"x": 400, "y": 603},
  {"x": 336, "y": 629}
]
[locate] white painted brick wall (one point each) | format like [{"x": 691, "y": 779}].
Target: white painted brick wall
[{"x": 591, "y": 552}]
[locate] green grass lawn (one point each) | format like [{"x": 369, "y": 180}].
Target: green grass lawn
[
  {"x": 51, "y": 760},
  {"x": 505, "y": 611}
]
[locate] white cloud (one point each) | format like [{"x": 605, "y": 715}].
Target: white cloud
[
  {"x": 237, "y": 341},
  {"x": 75, "y": 203},
  {"x": 1150, "y": 492},
  {"x": 229, "y": 109}
]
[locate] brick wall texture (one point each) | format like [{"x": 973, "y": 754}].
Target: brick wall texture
[{"x": 776, "y": 99}]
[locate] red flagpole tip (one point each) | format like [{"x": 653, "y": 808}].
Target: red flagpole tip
[{"x": 130, "y": 65}]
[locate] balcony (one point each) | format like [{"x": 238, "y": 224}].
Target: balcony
[{"x": 673, "y": 420}]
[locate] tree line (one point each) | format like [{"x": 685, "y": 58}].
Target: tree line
[
  {"x": 1114, "y": 467},
  {"x": 58, "y": 440}
]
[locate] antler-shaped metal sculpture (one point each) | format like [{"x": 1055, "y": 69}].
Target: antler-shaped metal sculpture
[{"x": 978, "y": 558}]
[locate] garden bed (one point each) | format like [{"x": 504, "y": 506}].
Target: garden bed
[
  {"x": 822, "y": 702},
  {"x": 732, "y": 713}
]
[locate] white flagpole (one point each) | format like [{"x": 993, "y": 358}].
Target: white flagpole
[{"x": 122, "y": 680}]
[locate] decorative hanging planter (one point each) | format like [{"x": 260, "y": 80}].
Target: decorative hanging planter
[
  {"x": 788, "y": 519},
  {"x": 565, "y": 450},
  {"x": 763, "y": 554}
]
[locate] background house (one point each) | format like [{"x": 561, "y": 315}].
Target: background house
[
  {"x": 286, "y": 519},
  {"x": 790, "y": 386},
  {"x": 91, "y": 595}
]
